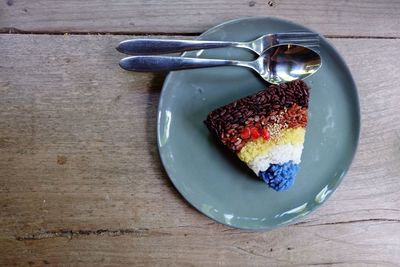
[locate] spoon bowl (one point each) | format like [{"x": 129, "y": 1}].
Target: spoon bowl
[
  {"x": 278, "y": 64},
  {"x": 285, "y": 63}
]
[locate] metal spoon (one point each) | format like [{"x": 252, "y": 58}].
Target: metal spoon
[{"x": 278, "y": 64}]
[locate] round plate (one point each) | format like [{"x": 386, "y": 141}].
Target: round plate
[{"x": 210, "y": 177}]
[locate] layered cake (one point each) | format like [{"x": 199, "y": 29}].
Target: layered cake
[{"x": 266, "y": 131}]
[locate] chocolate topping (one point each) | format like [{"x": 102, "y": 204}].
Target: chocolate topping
[{"x": 227, "y": 122}]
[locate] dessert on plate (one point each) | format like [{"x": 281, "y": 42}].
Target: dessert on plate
[{"x": 266, "y": 131}]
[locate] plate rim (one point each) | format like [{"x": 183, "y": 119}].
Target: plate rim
[{"x": 357, "y": 116}]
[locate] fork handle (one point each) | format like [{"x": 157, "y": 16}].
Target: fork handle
[
  {"x": 163, "y": 63},
  {"x": 161, "y": 46}
]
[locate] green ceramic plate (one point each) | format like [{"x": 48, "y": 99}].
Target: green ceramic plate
[{"x": 211, "y": 178}]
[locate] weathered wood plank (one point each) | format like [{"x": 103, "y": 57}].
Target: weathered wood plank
[
  {"x": 341, "y": 17},
  {"x": 81, "y": 182}
]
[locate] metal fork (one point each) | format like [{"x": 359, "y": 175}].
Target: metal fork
[{"x": 258, "y": 46}]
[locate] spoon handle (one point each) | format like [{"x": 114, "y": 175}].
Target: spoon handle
[
  {"x": 163, "y": 46},
  {"x": 163, "y": 63}
]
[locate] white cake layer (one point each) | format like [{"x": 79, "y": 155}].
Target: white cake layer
[{"x": 279, "y": 154}]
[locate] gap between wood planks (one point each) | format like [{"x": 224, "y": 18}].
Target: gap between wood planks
[
  {"x": 146, "y": 231},
  {"x": 18, "y": 31}
]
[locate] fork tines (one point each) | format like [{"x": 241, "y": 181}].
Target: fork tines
[{"x": 304, "y": 38}]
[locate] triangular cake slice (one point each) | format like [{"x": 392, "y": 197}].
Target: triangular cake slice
[{"x": 266, "y": 131}]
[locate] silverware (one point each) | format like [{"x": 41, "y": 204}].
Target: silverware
[
  {"x": 258, "y": 46},
  {"x": 278, "y": 64}
]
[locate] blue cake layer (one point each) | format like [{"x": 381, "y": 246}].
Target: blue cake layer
[{"x": 280, "y": 177}]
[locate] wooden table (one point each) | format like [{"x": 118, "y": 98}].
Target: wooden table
[{"x": 80, "y": 178}]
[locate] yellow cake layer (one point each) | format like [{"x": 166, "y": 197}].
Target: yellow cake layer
[{"x": 261, "y": 146}]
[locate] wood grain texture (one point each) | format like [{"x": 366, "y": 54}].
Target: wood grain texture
[
  {"x": 81, "y": 182},
  {"x": 340, "y": 17}
]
